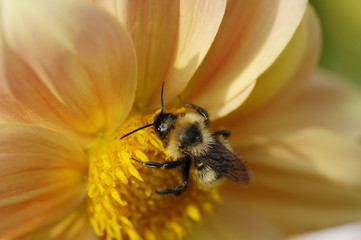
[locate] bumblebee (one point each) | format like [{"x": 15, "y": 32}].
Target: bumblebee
[{"x": 187, "y": 139}]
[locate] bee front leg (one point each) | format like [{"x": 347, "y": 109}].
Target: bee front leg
[
  {"x": 166, "y": 165},
  {"x": 178, "y": 190}
]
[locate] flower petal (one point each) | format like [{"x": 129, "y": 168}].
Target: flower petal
[
  {"x": 351, "y": 231},
  {"x": 233, "y": 221},
  {"x": 304, "y": 180},
  {"x": 42, "y": 178},
  {"x": 66, "y": 65},
  {"x": 75, "y": 225},
  {"x": 171, "y": 39},
  {"x": 292, "y": 69},
  {"x": 252, "y": 35},
  {"x": 328, "y": 101}
]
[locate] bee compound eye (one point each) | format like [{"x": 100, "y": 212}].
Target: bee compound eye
[{"x": 180, "y": 146}]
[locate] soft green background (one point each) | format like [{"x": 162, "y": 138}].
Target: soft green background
[{"x": 341, "y": 23}]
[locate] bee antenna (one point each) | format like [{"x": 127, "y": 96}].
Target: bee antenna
[
  {"x": 152, "y": 124},
  {"x": 161, "y": 99},
  {"x": 136, "y": 130}
]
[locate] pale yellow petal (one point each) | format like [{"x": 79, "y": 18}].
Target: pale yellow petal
[
  {"x": 75, "y": 225},
  {"x": 328, "y": 101},
  {"x": 304, "y": 180},
  {"x": 306, "y": 177},
  {"x": 42, "y": 178},
  {"x": 171, "y": 39},
  {"x": 288, "y": 75},
  {"x": 66, "y": 65},
  {"x": 234, "y": 221},
  {"x": 251, "y": 37}
]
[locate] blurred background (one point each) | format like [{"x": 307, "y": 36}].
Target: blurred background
[{"x": 341, "y": 25}]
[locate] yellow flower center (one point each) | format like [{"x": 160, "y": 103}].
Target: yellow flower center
[{"x": 122, "y": 198}]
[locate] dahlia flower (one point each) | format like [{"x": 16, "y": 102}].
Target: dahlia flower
[{"x": 76, "y": 76}]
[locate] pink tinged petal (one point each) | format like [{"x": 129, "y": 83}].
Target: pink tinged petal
[
  {"x": 252, "y": 35},
  {"x": 304, "y": 180},
  {"x": 171, "y": 39},
  {"x": 75, "y": 225},
  {"x": 292, "y": 69},
  {"x": 66, "y": 65},
  {"x": 153, "y": 28},
  {"x": 42, "y": 178},
  {"x": 328, "y": 101},
  {"x": 234, "y": 221},
  {"x": 199, "y": 23}
]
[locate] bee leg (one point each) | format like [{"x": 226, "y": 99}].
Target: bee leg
[
  {"x": 178, "y": 190},
  {"x": 222, "y": 133},
  {"x": 201, "y": 111},
  {"x": 166, "y": 165}
]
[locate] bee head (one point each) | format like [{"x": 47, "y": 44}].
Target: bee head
[{"x": 163, "y": 123}]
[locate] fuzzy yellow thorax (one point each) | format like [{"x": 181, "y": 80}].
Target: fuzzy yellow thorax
[{"x": 123, "y": 203}]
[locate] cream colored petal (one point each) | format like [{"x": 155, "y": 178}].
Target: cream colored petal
[
  {"x": 233, "y": 221},
  {"x": 288, "y": 75},
  {"x": 328, "y": 101},
  {"x": 252, "y": 35},
  {"x": 74, "y": 226},
  {"x": 171, "y": 39},
  {"x": 304, "y": 180},
  {"x": 42, "y": 178},
  {"x": 350, "y": 231},
  {"x": 65, "y": 65}
]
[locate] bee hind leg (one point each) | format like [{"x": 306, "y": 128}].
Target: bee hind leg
[
  {"x": 178, "y": 190},
  {"x": 222, "y": 133}
]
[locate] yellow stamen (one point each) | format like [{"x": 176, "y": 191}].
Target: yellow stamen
[{"x": 122, "y": 198}]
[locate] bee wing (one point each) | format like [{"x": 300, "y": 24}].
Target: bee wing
[{"x": 226, "y": 163}]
